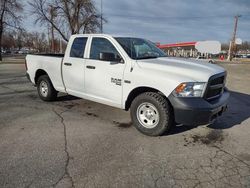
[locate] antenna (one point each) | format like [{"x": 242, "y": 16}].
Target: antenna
[{"x": 131, "y": 48}]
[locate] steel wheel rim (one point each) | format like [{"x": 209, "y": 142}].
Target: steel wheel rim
[
  {"x": 44, "y": 88},
  {"x": 148, "y": 115}
]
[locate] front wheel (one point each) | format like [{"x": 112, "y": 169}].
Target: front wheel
[
  {"x": 151, "y": 114},
  {"x": 45, "y": 89}
]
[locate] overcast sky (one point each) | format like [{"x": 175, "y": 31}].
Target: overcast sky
[{"x": 170, "y": 21}]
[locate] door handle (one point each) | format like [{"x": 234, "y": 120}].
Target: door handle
[
  {"x": 67, "y": 64},
  {"x": 90, "y": 67}
]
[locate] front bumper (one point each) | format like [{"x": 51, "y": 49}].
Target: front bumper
[{"x": 198, "y": 111}]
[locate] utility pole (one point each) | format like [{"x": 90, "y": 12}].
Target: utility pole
[
  {"x": 61, "y": 50},
  {"x": 231, "y": 50},
  {"x": 101, "y": 19}
]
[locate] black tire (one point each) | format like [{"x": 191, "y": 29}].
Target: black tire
[
  {"x": 51, "y": 93},
  {"x": 165, "y": 118}
]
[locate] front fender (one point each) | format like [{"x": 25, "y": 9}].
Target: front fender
[{"x": 154, "y": 81}]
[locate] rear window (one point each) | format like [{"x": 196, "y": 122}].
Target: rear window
[{"x": 78, "y": 47}]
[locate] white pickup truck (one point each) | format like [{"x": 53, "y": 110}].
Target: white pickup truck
[{"x": 132, "y": 73}]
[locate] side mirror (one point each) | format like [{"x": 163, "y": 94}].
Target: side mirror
[{"x": 106, "y": 56}]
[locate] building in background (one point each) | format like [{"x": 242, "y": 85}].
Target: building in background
[{"x": 182, "y": 49}]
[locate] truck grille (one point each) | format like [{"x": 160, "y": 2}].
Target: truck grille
[{"x": 215, "y": 86}]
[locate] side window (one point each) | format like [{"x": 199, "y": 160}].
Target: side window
[
  {"x": 101, "y": 45},
  {"x": 78, "y": 47}
]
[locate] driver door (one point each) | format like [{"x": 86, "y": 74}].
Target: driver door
[{"x": 104, "y": 79}]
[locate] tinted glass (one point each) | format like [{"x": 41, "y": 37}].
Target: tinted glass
[
  {"x": 101, "y": 45},
  {"x": 78, "y": 47},
  {"x": 138, "y": 48}
]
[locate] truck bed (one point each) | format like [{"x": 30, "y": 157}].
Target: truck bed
[{"x": 51, "y": 63}]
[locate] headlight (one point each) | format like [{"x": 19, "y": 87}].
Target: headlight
[{"x": 190, "y": 89}]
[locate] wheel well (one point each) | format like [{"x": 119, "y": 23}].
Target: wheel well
[
  {"x": 39, "y": 73},
  {"x": 137, "y": 91}
]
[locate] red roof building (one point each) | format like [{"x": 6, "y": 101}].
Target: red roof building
[
  {"x": 174, "y": 45},
  {"x": 182, "y": 49}
]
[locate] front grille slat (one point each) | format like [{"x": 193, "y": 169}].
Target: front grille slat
[
  {"x": 219, "y": 80},
  {"x": 215, "y": 86}
]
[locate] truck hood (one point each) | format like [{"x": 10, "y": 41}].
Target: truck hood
[{"x": 194, "y": 70}]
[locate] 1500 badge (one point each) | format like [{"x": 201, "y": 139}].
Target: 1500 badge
[{"x": 117, "y": 81}]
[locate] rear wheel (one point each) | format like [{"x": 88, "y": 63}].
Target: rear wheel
[
  {"x": 151, "y": 114},
  {"x": 45, "y": 88}
]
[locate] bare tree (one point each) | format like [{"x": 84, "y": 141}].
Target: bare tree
[
  {"x": 9, "y": 17},
  {"x": 36, "y": 41},
  {"x": 31, "y": 41},
  {"x": 67, "y": 17},
  {"x": 8, "y": 40}
]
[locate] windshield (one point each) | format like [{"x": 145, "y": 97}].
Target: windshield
[{"x": 138, "y": 48}]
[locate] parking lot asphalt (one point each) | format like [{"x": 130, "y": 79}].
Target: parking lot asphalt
[{"x": 78, "y": 143}]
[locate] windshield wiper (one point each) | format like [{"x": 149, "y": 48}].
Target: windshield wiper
[{"x": 147, "y": 57}]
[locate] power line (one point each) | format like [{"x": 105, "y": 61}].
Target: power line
[{"x": 174, "y": 17}]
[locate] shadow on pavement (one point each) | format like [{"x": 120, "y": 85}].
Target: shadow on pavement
[
  {"x": 238, "y": 111},
  {"x": 179, "y": 129},
  {"x": 66, "y": 98}
]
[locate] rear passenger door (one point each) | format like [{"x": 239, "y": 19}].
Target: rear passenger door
[{"x": 73, "y": 67}]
